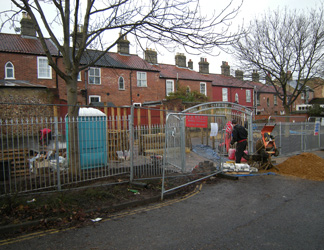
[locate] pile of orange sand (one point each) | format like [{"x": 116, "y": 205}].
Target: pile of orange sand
[{"x": 306, "y": 165}]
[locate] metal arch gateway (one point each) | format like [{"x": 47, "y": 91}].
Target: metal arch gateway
[
  {"x": 175, "y": 131},
  {"x": 232, "y": 111}
]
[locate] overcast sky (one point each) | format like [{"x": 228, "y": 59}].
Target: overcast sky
[{"x": 249, "y": 10}]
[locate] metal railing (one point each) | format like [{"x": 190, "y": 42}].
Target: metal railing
[{"x": 30, "y": 163}]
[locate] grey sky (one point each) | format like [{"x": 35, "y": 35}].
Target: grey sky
[{"x": 249, "y": 10}]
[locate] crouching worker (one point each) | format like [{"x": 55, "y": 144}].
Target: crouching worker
[
  {"x": 239, "y": 135},
  {"x": 45, "y": 136}
]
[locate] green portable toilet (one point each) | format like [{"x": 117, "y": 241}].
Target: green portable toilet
[{"x": 92, "y": 136}]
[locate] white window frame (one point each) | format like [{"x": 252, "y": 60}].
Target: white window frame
[
  {"x": 119, "y": 78},
  {"x": 188, "y": 90},
  {"x": 12, "y": 68},
  {"x": 258, "y": 99},
  {"x": 225, "y": 94},
  {"x": 44, "y": 71},
  {"x": 236, "y": 97},
  {"x": 248, "y": 95},
  {"x": 141, "y": 79},
  {"x": 203, "y": 88},
  {"x": 94, "y": 96},
  {"x": 79, "y": 77},
  {"x": 302, "y": 95},
  {"x": 92, "y": 75},
  {"x": 275, "y": 100},
  {"x": 169, "y": 87}
]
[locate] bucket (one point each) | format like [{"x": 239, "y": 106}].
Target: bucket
[{"x": 231, "y": 154}]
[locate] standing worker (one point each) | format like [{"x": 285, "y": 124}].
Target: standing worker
[
  {"x": 240, "y": 137},
  {"x": 45, "y": 136}
]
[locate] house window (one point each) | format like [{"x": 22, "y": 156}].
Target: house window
[
  {"x": 9, "y": 70},
  {"x": 188, "y": 90},
  {"x": 203, "y": 89},
  {"x": 94, "y": 76},
  {"x": 224, "y": 95},
  {"x": 275, "y": 101},
  {"x": 44, "y": 71},
  {"x": 169, "y": 86},
  {"x": 248, "y": 95},
  {"x": 79, "y": 77},
  {"x": 258, "y": 99},
  {"x": 121, "y": 83},
  {"x": 268, "y": 102},
  {"x": 302, "y": 95},
  {"x": 94, "y": 98},
  {"x": 236, "y": 98},
  {"x": 141, "y": 79}
]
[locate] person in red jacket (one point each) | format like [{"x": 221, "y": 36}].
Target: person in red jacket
[{"x": 45, "y": 136}]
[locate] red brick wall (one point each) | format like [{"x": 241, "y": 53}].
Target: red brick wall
[
  {"x": 271, "y": 109},
  {"x": 218, "y": 95},
  {"x": 109, "y": 92},
  {"x": 25, "y": 69}
]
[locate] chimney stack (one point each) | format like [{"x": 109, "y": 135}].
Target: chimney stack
[
  {"x": 239, "y": 74},
  {"x": 255, "y": 76},
  {"x": 190, "y": 64},
  {"x": 123, "y": 45},
  {"x": 268, "y": 79},
  {"x": 79, "y": 35},
  {"x": 151, "y": 56},
  {"x": 180, "y": 60},
  {"x": 27, "y": 25},
  {"x": 225, "y": 69},
  {"x": 203, "y": 66}
]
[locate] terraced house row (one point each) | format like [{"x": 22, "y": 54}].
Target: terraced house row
[{"x": 121, "y": 78}]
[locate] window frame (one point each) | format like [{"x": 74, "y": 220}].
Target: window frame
[
  {"x": 94, "y": 76},
  {"x": 79, "y": 79},
  {"x": 205, "y": 88},
  {"x": 167, "y": 93},
  {"x": 48, "y": 70},
  {"x": 248, "y": 95},
  {"x": 7, "y": 68},
  {"x": 236, "y": 97},
  {"x": 141, "y": 82},
  {"x": 225, "y": 91},
  {"x": 275, "y": 100},
  {"x": 258, "y": 99},
  {"x": 94, "y": 96},
  {"x": 119, "y": 78}
]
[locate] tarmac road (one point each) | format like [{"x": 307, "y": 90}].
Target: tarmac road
[{"x": 263, "y": 212}]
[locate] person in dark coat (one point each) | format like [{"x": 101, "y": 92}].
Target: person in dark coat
[{"x": 239, "y": 135}]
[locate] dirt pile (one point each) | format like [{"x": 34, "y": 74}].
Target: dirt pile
[{"x": 306, "y": 165}]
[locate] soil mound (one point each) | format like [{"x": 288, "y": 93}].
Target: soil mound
[{"x": 306, "y": 165}]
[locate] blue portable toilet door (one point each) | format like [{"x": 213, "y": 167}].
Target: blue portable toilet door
[{"x": 92, "y": 141}]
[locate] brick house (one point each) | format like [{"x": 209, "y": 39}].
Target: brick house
[
  {"x": 121, "y": 78},
  {"x": 227, "y": 88},
  {"x": 173, "y": 76}
]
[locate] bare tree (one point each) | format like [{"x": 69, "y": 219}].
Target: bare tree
[
  {"x": 282, "y": 44},
  {"x": 90, "y": 24}
]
